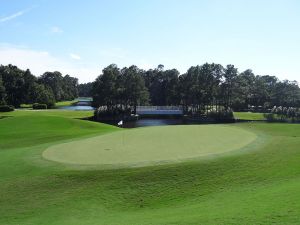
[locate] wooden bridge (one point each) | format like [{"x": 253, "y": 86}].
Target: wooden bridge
[{"x": 159, "y": 110}]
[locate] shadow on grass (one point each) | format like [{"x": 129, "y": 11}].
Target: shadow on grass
[{"x": 3, "y": 117}]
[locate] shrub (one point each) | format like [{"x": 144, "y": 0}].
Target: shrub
[
  {"x": 39, "y": 106},
  {"x": 224, "y": 115},
  {"x": 270, "y": 117},
  {"x": 103, "y": 113},
  {"x": 6, "y": 108}
]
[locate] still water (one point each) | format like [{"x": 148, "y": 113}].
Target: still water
[
  {"x": 78, "y": 107},
  {"x": 83, "y": 104},
  {"x": 153, "y": 122}
]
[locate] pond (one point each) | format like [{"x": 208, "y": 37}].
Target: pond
[
  {"x": 83, "y": 104},
  {"x": 154, "y": 122},
  {"x": 77, "y": 107}
]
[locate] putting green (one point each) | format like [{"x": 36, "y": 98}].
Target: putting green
[{"x": 152, "y": 145}]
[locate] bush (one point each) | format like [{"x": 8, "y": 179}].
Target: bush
[
  {"x": 270, "y": 117},
  {"x": 39, "y": 106},
  {"x": 6, "y": 108},
  {"x": 102, "y": 113},
  {"x": 224, "y": 115}
]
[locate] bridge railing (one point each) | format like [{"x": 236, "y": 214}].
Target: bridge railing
[{"x": 157, "y": 108}]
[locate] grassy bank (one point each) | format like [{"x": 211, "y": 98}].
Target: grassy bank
[
  {"x": 249, "y": 116},
  {"x": 57, "y": 104}
]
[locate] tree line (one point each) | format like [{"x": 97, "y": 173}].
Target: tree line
[
  {"x": 22, "y": 87},
  {"x": 202, "y": 89}
]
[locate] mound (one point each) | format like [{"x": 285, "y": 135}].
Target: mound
[{"x": 153, "y": 145}]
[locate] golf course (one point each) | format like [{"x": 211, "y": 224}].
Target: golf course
[{"x": 59, "y": 169}]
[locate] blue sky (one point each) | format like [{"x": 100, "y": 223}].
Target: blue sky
[{"x": 82, "y": 37}]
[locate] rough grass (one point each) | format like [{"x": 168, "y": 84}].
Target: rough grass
[{"x": 260, "y": 186}]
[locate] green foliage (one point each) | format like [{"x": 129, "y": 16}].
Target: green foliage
[
  {"x": 133, "y": 90},
  {"x": 162, "y": 86},
  {"x": 85, "y": 90},
  {"x": 63, "y": 87},
  {"x": 117, "y": 113},
  {"x": 270, "y": 117},
  {"x": 199, "y": 88},
  {"x": 223, "y": 115},
  {"x": 117, "y": 88},
  {"x": 2, "y": 92},
  {"x": 105, "y": 88},
  {"x": 284, "y": 114},
  {"x": 6, "y": 108},
  {"x": 39, "y": 106},
  {"x": 21, "y": 87},
  {"x": 43, "y": 95},
  {"x": 17, "y": 84},
  {"x": 261, "y": 93}
]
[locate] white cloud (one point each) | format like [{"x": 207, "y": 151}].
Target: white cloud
[
  {"x": 75, "y": 56},
  {"x": 16, "y": 14},
  {"x": 12, "y": 16},
  {"x": 41, "y": 61},
  {"x": 56, "y": 30}
]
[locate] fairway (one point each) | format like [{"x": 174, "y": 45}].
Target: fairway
[{"x": 154, "y": 145}]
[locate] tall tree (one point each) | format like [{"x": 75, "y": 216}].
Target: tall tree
[
  {"x": 230, "y": 75},
  {"x": 13, "y": 81},
  {"x": 105, "y": 88},
  {"x": 54, "y": 80},
  {"x": 42, "y": 94},
  {"x": 85, "y": 90},
  {"x": 134, "y": 90},
  {"x": 70, "y": 87},
  {"x": 2, "y": 92},
  {"x": 163, "y": 86},
  {"x": 243, "y": 88}
]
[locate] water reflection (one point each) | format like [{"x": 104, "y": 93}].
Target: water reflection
[
  {"x": 152, "y": 122},
  {"x": 78, "y": 107}
]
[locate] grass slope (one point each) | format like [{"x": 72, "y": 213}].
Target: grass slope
[{"x": 253, "y": 187}]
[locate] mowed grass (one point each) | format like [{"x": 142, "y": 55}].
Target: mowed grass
[
  {"x": 152, "y": 145},
  {"x": 249, "y": 116},
  {"x": 50, "y": 112},
  {"x": 57, "y": 104},
  {"x": 259, "y": 186},
  {"x": 65, "y": 103}
]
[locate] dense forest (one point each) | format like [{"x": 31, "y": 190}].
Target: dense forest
[
  {"x": 85, "y": 89},
  {"x": 21, "y": 87},
  {"x": 201, "y": 90}
]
